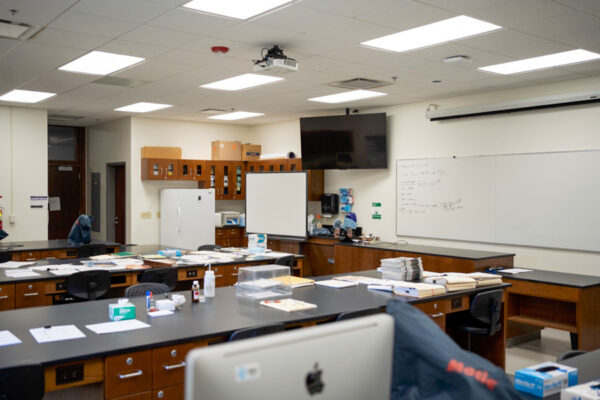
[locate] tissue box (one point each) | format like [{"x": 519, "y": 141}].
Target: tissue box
[
  {"x": 586, "y": 391},
  {"x": 544, "y": 379},
  {"x": 257, "y": 242},
  {"x": 121, "y": 310}
]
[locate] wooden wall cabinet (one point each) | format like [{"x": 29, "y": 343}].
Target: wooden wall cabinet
[
  {"x": 229, "y": 237},
  {"x": 158, "y": 169},
  {"x": 192, "y": 170}
]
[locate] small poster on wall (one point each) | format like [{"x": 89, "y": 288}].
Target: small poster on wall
[
  {"x": 375, "y": 210},
  {"x": 38, "y": 201}
]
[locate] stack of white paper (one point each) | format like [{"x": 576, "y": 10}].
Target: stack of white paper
[{"x": 402, "y": 268}]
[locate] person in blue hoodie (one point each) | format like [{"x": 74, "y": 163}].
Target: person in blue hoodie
[{"x": 81, "y": 230}]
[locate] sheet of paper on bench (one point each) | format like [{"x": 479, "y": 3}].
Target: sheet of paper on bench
[
  {"x": 117, "y": 326},
  {"x": 15, "y": 264},
  {"x": 332, "y": 283},
  {"x": 56, "y": 333},
  {"x": 20, "y": 273},
  {"x": 7, "y": 338},
  {"x": 514, "y": 270}
]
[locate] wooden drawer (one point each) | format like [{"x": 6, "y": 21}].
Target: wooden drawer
[
  {"x": 137, "y": 396},
  {"x": 7, "y": 296},
  {"x": 168, "y": 365},
  {"x": 182, "y": 274},
  {"x": 29, "y": 255},
  {"x": 445, "y": 306},
  {"x": 31, "y": 294},
  {"x": 221, "y": 275},
  {"x": 168, "y": 393},
  {"x": 127, "y": 374},
  {"x": 58, "y": 254},
  {"x": 93, "y": 371},
  {"x": 543, "y": 290}
]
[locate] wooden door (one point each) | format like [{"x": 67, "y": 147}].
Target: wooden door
[
  {"x": 237, "y": 180},
  {"x": 64, "y": 182},
  {"x": 294, "y": 164},
  {"x": 215, "y": 178},
  {"x": 170, "y": 169},
  {"x": 185, "y": 170},
  {"x": 200, "y": 173},
  {"x": 152, "y": 169},
  {"x": 120, "y": 204}
]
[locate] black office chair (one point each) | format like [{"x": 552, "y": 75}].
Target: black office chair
[
  {"x": 569, "y": 354},
  {"x": 5, "y": 256},
  {"x": 355, "y": 314},
  {"x": 141, "y": 288},
  {"x": 209, "y": 247},
  {"x": 25, "y": 382},
  {"x": 89, "y": 285},
  {"x": 256, "y": 331},
  {"x": 88, "y": 250},
  {"x": 167, "y": 275},
  {"x": 288, "y": 261},
  {"x": 484, "y": 315}
]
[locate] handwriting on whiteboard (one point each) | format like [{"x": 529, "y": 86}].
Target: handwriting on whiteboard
[{"x": 420, "y": 188}]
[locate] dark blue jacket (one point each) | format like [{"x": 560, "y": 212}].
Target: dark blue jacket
[
  {"x": 428, "y": 364},
  {"x": 81, "y": 231}
]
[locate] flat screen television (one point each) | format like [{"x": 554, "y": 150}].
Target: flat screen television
[{"x": 355, "y": 141}]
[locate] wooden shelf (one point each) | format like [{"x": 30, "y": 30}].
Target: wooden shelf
[{"x": 543, "y": 323}]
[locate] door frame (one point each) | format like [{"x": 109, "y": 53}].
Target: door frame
[{"x": 110, "y": 200}]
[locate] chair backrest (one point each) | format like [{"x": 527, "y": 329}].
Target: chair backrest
[
  {"x": 569, "y": 354},
  {"x": 141, "y": 288},
  {"x": 486, "y": 307},
  {"x": 89, "y": 285},
  {"x": 167, "y": 275},
  {"x": 209, "y": 247},
  {"x": 286, "y": 260},
  {"x": 5, "y": 256},
  {"x": 25, "y": 382},
  {"x": 256, "y": 331},
  {"x": 355, "y": 314},
  {"x": 88, "y": 250}
]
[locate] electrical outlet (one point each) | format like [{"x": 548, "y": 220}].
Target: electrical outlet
[
  {"x": 69, "y": 373},
  {"x": 158, "y": 214},
  {"x": 146, "y": 215},
  {"x": 191, "y": 273}
]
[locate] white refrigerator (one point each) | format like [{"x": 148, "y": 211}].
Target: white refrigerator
[{"x": 187, "y": 218}]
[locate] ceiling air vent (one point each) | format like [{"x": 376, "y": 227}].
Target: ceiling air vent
[
  {"x": 13, "y": 30},
  {"x": 58, "y": 117},
  {"x": 360, "y": 83},
  {"x": 118, "y": 81},
  {"x": 213, "y": 111}
]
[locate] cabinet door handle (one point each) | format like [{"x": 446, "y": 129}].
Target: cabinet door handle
[
  {"x": 30, "y": 294},
  {"x": 174, "y": 366},
  {"x": 437, "y": 315},
  {"x": 3, "y": 297},
  {"x": 131, "y": 375},
  {"x": 218, "y": 276}
]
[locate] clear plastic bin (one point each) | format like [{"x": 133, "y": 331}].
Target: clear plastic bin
[{"x": 258, "y": 283}]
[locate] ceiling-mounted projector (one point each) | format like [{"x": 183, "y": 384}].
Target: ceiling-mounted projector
[{"x": 275, "y": 62}]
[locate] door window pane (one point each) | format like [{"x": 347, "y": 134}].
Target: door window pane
[{"x": 62, "y": 143}]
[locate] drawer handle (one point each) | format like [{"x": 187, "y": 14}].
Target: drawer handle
[
  {"x": 31, "y": 259},
  {"x": 236, "y": 274},
  {"x": 441, "y": 314},
  {"x": 3, "y": 297},
  {"x": 218, "y": 276},
  {"x": 30, "y": 294},
  {"x": 174, "y": 366},
  {"x": 131, "y": 375}
]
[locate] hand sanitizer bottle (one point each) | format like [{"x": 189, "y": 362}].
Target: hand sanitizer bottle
[{"x": 209, "y": 283}]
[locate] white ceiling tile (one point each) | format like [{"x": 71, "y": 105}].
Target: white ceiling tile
[
  {"x": 236, "y": 49},
  {"x": 190, "y": 21},
  {"x": 59, "y": 81},
  {"x": 60, "y": 54},
  {"x": 519, "y": 14},
  {"x": 348, "y": 8},
  {"x": 588, "y": 39},
  {"x": 134, "y": 49},
  {"x": 92, "y": 91},
  {"x": 299, "y": 19},
  {"x": 159, "y": 36},
  {"x": 499, "y": 39},
  {"x": 592, "y": 67},
  {"x": 76, "y": 40},
  {"x": 463, "y": 6},
  {"x": 352, "y": 31},
  {"x": 478, "y": 57},
  {"x": 187, "y": 57},
  {"x": 17, "y": 69},
  {"x": 7, "y": 44},
  {"x": 404, "y": 15},
  {"x": 588, "y": 6},
  {"x": 153, "y": 70},
  {"x": 570, "y": 22},
  {"x": 93, "y": 25},
  {"x": 138, "y": 11},
  {"x": 254, "y": 34},
  {"x": 532, "y": 49},
  {"x": 308, "y": 45}
]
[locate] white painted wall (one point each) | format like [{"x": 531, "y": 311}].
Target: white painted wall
[
  {"x": 109, "y": 143},
  {"x": 411, "y": 135},
  {"x": 194, "y": 139},
  {"x": 23, "y": 171}
]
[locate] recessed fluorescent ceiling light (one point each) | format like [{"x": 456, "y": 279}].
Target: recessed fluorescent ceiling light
[
  {"x": 236, "y": 115},
  {"x": 244, "y": 81},
  {"x": 542, "y": 62},
  {"x": 348, "y": 96},
  {"x": 143, "y": 107},
  {"x": 435, "y": 33},
  {"x": 239, "y": 9},
  {"x": 26, "y": 96},
  {"x": 100, "y": 63}
]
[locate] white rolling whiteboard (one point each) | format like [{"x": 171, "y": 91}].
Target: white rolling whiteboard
[
  {"x": 539, "y": 199},
  {"x": 276, "y": 203}
]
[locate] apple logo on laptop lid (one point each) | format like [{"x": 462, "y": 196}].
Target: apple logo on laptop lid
[{"x": 314, "y": 384}]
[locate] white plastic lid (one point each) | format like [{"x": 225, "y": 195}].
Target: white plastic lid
[{"x": 195, "y": 283}]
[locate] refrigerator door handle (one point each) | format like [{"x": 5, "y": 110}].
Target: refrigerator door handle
[{"x": 178, "y": 218}]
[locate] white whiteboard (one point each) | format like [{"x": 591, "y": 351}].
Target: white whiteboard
[
  {"x": 542, "y": 199},
  {"x": 276, "y": 203}
]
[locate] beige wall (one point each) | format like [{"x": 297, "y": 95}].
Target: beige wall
[
  {"x": 23, "y": 171},
  {"x": 109, "y": 143},
  {"x": 411, "y": 135}
]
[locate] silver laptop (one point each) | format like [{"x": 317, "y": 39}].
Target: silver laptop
[{"x": 341, "y": 360}]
